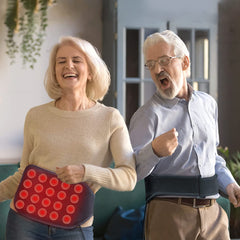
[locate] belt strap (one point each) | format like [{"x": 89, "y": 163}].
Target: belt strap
[
  {"x": 192, "y": 202},
  {"x": 191, "y": 186}
]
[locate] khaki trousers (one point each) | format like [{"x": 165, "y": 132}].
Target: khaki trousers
[{"x": 171, "y": 221}]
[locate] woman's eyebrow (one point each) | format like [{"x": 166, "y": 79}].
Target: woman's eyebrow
[
  {"x": 60, "y": 58},
  {"x": 77, "y": 57},
  {"x": 74, "y": 57}
]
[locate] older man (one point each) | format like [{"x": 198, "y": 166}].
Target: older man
[{"x": 174, "y": 136}]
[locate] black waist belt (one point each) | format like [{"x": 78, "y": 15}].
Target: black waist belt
[{"x": 191, "y": 186}]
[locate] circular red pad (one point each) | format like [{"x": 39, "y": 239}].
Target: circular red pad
[
  {"x": 42, "y": 178},
  {"x": 41, "y": 196},
  {"x": 53, "y": 216},
  {"x": 57, "y": 206},
  {"x": 31, "y": 208},
  {"x": 34, "y": 198},
  {"x": 23, "y": 194}
]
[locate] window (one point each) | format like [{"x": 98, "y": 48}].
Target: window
[
  {"x": 138, "y": 85},
  {"x": 135, "y": 86},
  {"x": 135, "y": 20},
  {"x": 197, "y": 42}
]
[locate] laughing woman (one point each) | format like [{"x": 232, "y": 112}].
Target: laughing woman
[{"x": 74, "y": 136}]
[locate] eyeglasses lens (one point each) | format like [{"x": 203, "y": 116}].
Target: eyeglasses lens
[{"x": 162, "y": 61}]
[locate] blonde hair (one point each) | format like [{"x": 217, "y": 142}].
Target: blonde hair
[{"x": 99, "y": 84}]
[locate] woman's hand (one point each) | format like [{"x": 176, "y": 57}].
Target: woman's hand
[{"x": 71, "y": 174}]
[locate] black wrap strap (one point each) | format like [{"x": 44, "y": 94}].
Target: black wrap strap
[{"x": 190, "y": 186}]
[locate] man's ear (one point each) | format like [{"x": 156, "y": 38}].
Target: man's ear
[{"x": 185, "y": 63}]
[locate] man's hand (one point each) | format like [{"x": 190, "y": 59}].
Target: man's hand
[
  {"x": 71, "y": 174},
  {"x": 233, "y": 191},
  {"x": 165, "y": 144}
]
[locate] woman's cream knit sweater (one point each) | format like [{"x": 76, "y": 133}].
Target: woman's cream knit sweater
[{"x": 94, "y": 137}]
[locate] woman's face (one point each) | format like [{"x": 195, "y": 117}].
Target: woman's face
[{"x": 71, "y": 69}]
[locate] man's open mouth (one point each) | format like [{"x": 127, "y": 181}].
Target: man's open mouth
[{"x": 165, "y": 82}]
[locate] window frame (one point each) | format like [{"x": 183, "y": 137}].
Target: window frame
[{"x": 122, "y": 79}]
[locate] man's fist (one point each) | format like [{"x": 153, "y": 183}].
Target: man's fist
[{"x": 165, "y": 144}]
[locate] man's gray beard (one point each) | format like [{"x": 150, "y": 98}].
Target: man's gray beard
[{"x": 169, "y": 93}]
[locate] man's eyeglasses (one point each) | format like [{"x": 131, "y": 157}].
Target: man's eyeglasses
[{"x": 162, "y": 61}]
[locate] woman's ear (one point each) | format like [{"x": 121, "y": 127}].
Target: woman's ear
[
  {"x": 185, "y": 63},
  {"x": 89, "y": 77}
]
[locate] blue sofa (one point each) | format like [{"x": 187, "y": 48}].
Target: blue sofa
[{"x": 109, "y": 205}]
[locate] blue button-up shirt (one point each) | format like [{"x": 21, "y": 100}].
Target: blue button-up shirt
[{"x": 196, "y": 123}]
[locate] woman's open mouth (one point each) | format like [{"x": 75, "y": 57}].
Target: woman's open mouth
[{"x": 70, "y": 76}]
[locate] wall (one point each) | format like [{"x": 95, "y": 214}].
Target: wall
[
  {"x": 171, "y": 10},
  {"x": 229, "y": 72},
  {"x": 21, "y": 89}
]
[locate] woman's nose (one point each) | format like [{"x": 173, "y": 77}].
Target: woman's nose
[{"x": 69, "y": 64}]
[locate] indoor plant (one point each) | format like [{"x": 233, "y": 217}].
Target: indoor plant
[
  {"x": 233, "y": 164},
  {"x": 26, "y": 22}
]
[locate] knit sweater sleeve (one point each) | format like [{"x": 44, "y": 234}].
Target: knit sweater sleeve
[
  {"x": 9, "y": 186},
  {"x": 123, "y": 176}
]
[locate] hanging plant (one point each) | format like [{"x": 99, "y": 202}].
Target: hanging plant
[
  {"x": 26, "y": 21},
  {"x": 12, "y": 23}
]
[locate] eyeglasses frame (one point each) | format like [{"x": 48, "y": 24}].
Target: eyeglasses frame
[{"x": 157, "y": 61}]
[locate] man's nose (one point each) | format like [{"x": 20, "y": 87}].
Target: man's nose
[{"x": 158, "y": 68}]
